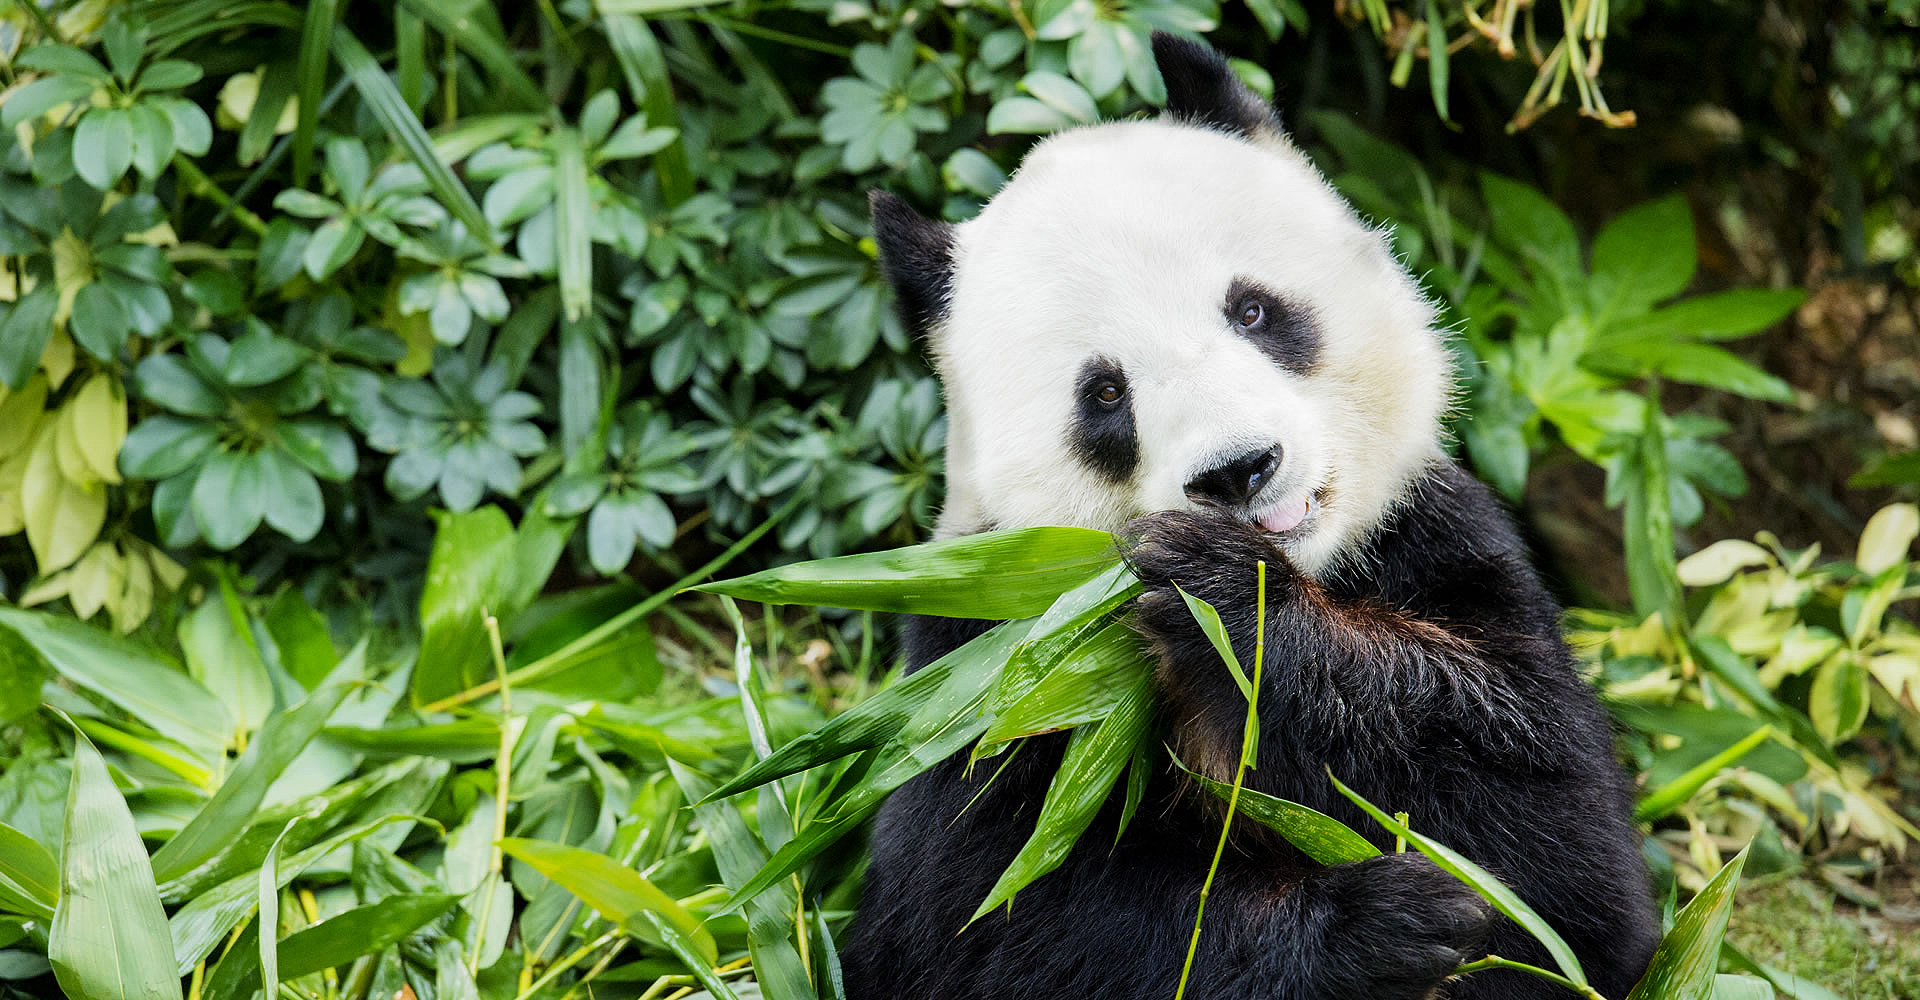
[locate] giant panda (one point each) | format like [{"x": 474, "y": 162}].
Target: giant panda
[{"x": 1174, "y": 329}]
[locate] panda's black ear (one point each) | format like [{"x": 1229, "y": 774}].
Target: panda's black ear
[
  {"x": 1202, "y": 89},
  {"x": 916, "y": 255}
]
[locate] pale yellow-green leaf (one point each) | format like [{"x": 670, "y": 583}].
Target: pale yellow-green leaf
[
  {"x": 1718, "y": 562},
  {"x": 136, "y": 594},
  {"x": 47, "y": 588},
  {"x": 1800, "y": 648},
  {"x": 13, "y": 478},
  {"x": 1887, "y": 537},
  {"x": 99, "y": 417},
  {"x": 72, "y": 271},
  {"x": 1740, "y": 601},
  {"x": 57, "y": 360},
  {"x": 90, "y": 579},
  {"x": 20, "y": 415},
  {"x": 1838, "y": 701},
  {"x": 62, "y": 518},
  {"x": 1761, "y": 635},
  {"x": 237, "y": 97},
  {"x": 71, "y": 459},
  {"x": 1898, "y": 672}
]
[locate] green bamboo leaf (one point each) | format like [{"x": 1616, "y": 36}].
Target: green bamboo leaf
[
  {"x": 645, "y": 67},
  {"x": 210, "y": 916},
  {"x": 1000, "y": 574},
  {"x": 310, "y": 76},
  {"x": 1727, "y": 986},
  {"x": 142, "y": 682},
  {"x": 1072, "y": 618},
  {"x": 1492, "y": 889},
  {"x": 1438, "y": 60},
  {"x": 616, "y": 892},
  {"x": 1095, "y": 757},
  {"x": 1317, "y": 835},
  {"x": 335, "y": 941},
  {"x": 390, "y": 109},
  {"x": 29, "y": 876},
  {"x": 459, "y": 22},
  {"x": 268, "y": 898},
  {"x": 1208, "y": 619},
  {"x": 109, "y": 936},
  {"x": 1086, "y": 684},
  {"x": 1675, "y": 793},
  {"x": 939, "y": 690},
  {"x": 573, "y": 234},
  {"x": 738, "y": 854},
  {"x": 272, "y": 749},
  {"x": 1684, "y": 964},
  {"x": 468, "y": 574}
]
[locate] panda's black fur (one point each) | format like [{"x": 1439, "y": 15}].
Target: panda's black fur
[{"x": 1425, "y": 670}]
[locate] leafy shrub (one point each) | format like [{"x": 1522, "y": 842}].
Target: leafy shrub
[{"x": 329, "y": 287}]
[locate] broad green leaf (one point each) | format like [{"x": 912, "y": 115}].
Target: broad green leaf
[
  {"x": 103, "y": 146},
  {"x": 239, "y": 797},
  {"x": 336, "y": 941},
  {"x": 1888, "y": 537},
  {"x": 1721, "y": 316},
  {"x": 142, "y": 682},
  {"x": 1694, "y": 364},
  {"x": 1651, "y": 577},
  {"x": 1095, "y": 757},
  {"x": 109, "y": 936},
  {"x": 1490, "y": 888},
  {"x": 1529, "y": 224},
  {"x": 615, "y": 891},
  {"x": 1002, "y": 574},
  {"x": 1317, "y": 835},
  {"x": 1684, "y": 964},
  {"x": 1061, "y": 94},
  {"x": 217, "y": 638},
  {"x": 29, "y": 876},
  {"x": 1644, "y": 255},
  {"x": 1675, "y": 793},
  {"x": 940, "y": 689},
  {"x": 468, "y": 574},
  {"x": 22, "y": 673}
]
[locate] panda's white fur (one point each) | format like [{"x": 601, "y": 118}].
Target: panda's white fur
[{"x": 1120, "y": 240}]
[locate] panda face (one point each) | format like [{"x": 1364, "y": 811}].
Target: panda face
[{"x": 1157, "y": 315}]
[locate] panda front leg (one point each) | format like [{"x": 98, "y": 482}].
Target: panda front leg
[{"x": 1479, "y": 728}]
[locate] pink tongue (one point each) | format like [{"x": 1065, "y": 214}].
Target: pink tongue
[{"x": 1281, "y": 520}]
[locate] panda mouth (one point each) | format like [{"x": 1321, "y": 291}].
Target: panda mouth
[{"x": 1287, "y": 516}]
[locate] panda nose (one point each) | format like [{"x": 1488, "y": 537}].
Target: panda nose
[{"x": 1236, "y": 482}]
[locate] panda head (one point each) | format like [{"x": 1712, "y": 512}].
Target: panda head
[{"x": 1170, "y": 313}]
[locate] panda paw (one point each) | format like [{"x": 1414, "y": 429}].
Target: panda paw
[
  {"x": 1211, "y": 556},
  {"x": 1397, "y": 926}
]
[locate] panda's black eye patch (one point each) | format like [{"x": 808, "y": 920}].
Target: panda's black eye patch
[
  {"x": 1103, "y": 434},
  {"x": 1283, "y": 328}
]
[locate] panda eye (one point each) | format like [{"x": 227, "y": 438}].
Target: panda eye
[
  {"x": 1108, "y": 393},
  {"x": 1251, "y": 312}
]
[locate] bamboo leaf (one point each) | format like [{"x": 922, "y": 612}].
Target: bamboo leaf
[
  {"x": 29, "y": 876},
  {"x": 383, "y": 99},
  {"x": 645, "y": 67},
  {"x": 573, "y": 234},
  {"x": 310, "y": 74},
  {"x": 109, "y": 936},
  {"x": 1000, "y": 574},
  {"x": 1088, "y": 683},
  {"x": 1492, "y": 889},
  {"x": 146, "y": 684},
  {"x": 1675, "y": 793},
  {"x": 937, "y": 691},
  {"x": 456, "y": 21},
  {"x": 240, "y": 795},
  {"x": 616, "y": 892},
  {"x": 1317, "y": 835},
  {"x": 1684, "y": 964},
  {"x": 1095, "y": 757}
]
